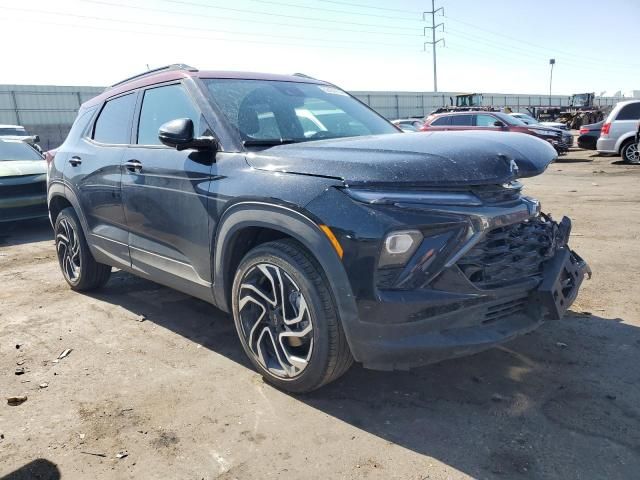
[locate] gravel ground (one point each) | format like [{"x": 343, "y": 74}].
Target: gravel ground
[{"x": 175, "y": 393}]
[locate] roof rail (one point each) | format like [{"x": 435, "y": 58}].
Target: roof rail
[
  {"x": 303, "y": 75},
  {"x": 166, "y": 68}
]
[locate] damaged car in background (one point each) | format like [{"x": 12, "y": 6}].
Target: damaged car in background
[{"x": 326, "y": 233}]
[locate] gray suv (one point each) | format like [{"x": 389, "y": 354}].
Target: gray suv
[{"x": 619, "y": 130}]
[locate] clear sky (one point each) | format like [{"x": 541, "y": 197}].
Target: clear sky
[{"x": 490, "y": 45}]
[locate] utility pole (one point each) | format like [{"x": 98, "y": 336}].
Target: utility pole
[
  {"x": 552, "y": 62},
  {"x": 433, "y": 42}
]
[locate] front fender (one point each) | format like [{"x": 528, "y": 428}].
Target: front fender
[{"x": 295, "y": 224}]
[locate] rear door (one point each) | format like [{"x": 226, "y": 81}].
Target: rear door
[
  {"x": 165, "y": 194},
  {"x": 461, "y": 122},
  {"x": 94, "y": 174}
]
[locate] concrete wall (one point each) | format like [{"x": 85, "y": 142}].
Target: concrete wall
[{"x": 49, "y": 111}]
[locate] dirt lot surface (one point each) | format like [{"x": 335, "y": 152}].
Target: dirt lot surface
[{"x": 175, "y": 393}]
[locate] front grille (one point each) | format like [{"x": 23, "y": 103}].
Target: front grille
[
  {"x": 510, "y": 254},
  {"x": 32, "y": 188},
  {"x": 498, "y": 194}
]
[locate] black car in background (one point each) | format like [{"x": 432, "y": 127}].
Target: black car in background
[
  {"x": 589, "y": 135},
  {"x": 329, "y": 235}
]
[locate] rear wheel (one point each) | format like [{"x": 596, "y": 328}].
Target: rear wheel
[
  {"x": 78, "y": 266},
  {"x": 629, "y": 152},
  {"x": 286, "y": 318}
]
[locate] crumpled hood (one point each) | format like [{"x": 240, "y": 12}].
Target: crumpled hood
[
  {"x": 16, "y": 168},
  {"x": 423, "y": 158}
]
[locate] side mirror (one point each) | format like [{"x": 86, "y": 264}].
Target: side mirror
[
  {"x": 498, "y": 123},
  {"x": 178, "y": 134}
]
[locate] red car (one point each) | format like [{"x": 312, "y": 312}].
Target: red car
[{"x": 493, "y": 121}]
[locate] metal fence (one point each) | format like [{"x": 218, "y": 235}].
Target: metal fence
[
  {"x": 419, "y": 104},
  {"x": 49, "y": 111}
]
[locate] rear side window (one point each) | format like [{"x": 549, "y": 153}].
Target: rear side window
[
  {"x": 161, "y": 105},
  {"x": 114, "y": 122},
  {"x": 440, "y": 122},
  {"x": 461, "y": 120},
  {"x": 629, "y": 112}
]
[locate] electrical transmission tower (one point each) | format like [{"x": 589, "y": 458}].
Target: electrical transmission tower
[{"x": 433, "y": 42}]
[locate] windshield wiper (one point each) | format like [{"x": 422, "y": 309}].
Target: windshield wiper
[{"x": 268, "y": 142}]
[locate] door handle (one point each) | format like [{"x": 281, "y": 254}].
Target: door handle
[
  {"x": 133, "y": 166},
  {"x": 75, "y": 161}
]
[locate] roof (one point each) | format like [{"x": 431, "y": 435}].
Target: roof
[{"x": 176, "y": 72}]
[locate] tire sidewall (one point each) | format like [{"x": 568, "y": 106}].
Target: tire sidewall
[
  {"x": 72, "y": 218},
  {"x": 314, "y": 373},
  {"x": 625, "y": 149}
]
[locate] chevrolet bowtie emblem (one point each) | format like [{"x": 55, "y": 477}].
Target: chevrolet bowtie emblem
[{"x": 513, "y": 166}]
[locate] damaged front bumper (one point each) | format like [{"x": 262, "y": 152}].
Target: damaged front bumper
[{"x": 457, "y": 315}]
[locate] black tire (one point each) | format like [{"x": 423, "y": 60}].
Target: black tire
[
  {"x": 80, "y": 269},
  {"x": 629, "y": 152},
  {"x": 329, "y": 357}
]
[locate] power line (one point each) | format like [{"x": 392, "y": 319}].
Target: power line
[
  {"x": 294, "y": 17},
  {"x": 331, "y": 10},
  {"x": 245, "y": 20},
  {"x": 200, "y": 37},
  {"x": 351, "y": 4},
  {"x": 530, "y": 44},
  {"x": 164, "y": 25}
]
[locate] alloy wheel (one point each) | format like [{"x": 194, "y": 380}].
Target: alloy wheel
[
  {"x": 631, "y": 154},
  {"x": 275, "y": 321},
  {"x": 68, "y": 248}
]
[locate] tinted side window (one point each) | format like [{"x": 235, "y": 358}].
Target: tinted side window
[
  {"x": 485, "y": 120},
  {"x": 629, "y": 112},
  {"x": 161, "y": 105},
  {"x": 114, "y": 123},
  {"x": 461, "y": 120},
  {"x": 440, "y": 122}
]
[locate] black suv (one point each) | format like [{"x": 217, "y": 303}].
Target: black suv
[{"x": 328, "y": 234}]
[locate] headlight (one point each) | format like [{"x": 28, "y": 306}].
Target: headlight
[
  {"x": 430, "y": 198},
  {"x": 398, "y": 247}
]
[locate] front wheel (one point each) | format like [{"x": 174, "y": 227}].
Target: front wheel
[
  {"x": 78, "y": 266},
  {"x": 629, "y": 153},
  {"x": 286, "y": 318}
]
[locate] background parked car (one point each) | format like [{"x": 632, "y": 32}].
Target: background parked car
[
  {"x": 589, "y": 135},
  {"x": 23, "y": 181},
  {"x": 529, "y": 120},
  {"x": 18, "y": 132},
  {"x": 619, "y": 131},
  {"x": 409, "y": 124},
  {"x": 495, "y": 121}
]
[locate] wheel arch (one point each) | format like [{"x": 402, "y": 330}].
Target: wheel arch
[
  {"x": 247, "y": 224},
  {"x": 624, "y": 139}
]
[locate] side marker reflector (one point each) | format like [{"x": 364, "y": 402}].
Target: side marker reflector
[{"x": 332, "y": 238}]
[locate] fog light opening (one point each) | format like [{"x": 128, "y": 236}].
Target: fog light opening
[{"x": 399, "y": 243}]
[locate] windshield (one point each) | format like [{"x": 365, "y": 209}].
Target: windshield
[
  {"x": 17, "y": 151},
  {"x": 13, "y": 131},
  {"x": 272, "y": 112}
]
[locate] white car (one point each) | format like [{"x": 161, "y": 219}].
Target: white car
[
  {"x": 618, "y": 134},
  {"x": 18, "y": 132}
]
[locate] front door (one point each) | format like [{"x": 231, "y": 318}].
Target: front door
[{"x": 165, "y": 193}]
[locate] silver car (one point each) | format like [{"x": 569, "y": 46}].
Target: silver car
[{"x": 619, "y": 130}]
